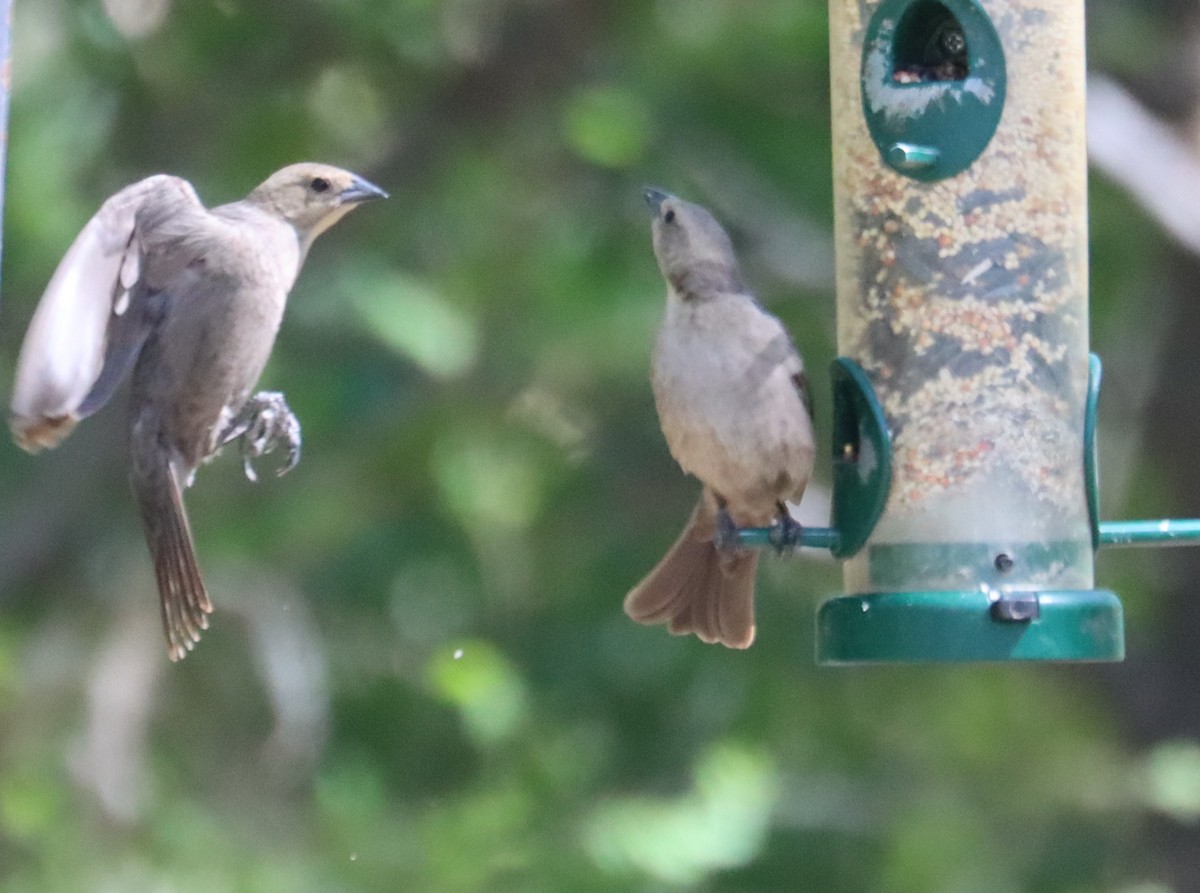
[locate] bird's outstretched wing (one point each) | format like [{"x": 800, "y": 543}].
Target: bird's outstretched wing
[{"x": 83, "y": 328}]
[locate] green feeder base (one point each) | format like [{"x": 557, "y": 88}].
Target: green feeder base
[{"x": 934, "y": 627}]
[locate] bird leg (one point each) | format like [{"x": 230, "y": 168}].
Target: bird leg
[
  {"x": 725, "y": 537},
  {"x": 786, "y": 531},
  {"x": 265, "y": 422}
]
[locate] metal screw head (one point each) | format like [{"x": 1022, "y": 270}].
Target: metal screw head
[{"x": 1016, "y": 607}]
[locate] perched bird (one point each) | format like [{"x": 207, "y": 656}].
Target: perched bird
[
  {"x": 190, "y": 299},
  {"x": 732, "y": 398}
]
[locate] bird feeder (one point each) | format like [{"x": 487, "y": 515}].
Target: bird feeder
[{"x": 964, "y": 505}]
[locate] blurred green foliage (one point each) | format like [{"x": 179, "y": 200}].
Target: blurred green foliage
[{"x": 418, "y": 676}]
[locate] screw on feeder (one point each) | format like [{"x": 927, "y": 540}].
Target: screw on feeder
[
  {"x": 951, "y": 40},
  {"x": 1016, "y": 607}
]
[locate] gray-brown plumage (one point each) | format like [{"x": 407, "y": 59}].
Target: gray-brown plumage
[
  {"x": 190, "y": 299},
  {"x": 732, "y": 400}
]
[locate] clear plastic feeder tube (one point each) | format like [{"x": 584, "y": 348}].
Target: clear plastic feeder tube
[{"x": 965, "y": 301}]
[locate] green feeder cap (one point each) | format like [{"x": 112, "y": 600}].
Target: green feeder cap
[{"x": 980, "y": 625}]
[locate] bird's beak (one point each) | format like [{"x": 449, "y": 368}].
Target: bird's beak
[
  {"x": 360, "y": 190},
  {"x": 654, "y": 197}
]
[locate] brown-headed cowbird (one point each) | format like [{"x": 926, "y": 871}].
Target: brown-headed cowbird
[
  {"x": 190, "y": 300},
  {"x": 733, "y": 402}
]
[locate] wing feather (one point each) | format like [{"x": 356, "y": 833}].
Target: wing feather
[{"x": 64, "y": 349}]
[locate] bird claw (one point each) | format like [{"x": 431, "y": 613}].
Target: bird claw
[
  {"x": 725, "y": 537},
  {"x": 265, "y": 422},
  {"x": 786, "y": 531}
]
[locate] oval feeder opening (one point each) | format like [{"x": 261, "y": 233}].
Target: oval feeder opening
[{"x": 933, "y": 85}]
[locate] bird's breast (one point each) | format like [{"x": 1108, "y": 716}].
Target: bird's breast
[
  {"x": 211, "y": 349},
  {"x": 729, "y": 409}
]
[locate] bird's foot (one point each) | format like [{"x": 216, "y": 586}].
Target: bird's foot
[
  {"x": 786, "y": 531},
  {"x": 725, "y": 537},
  {"x": 265, "y": 422}
]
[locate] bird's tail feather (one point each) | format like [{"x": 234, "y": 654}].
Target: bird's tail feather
[
  {"x": 185, "y": 602},
  {"x": 697, "y": 588}
]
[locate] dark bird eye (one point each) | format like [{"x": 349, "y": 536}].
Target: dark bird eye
[
  {"x": 319, "y": 184},
  {"x": 669, "y": 216}
]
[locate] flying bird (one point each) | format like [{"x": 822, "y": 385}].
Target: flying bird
[
  {"x": 189, "y": 300},
  {"x": 733, "y": 402}
]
